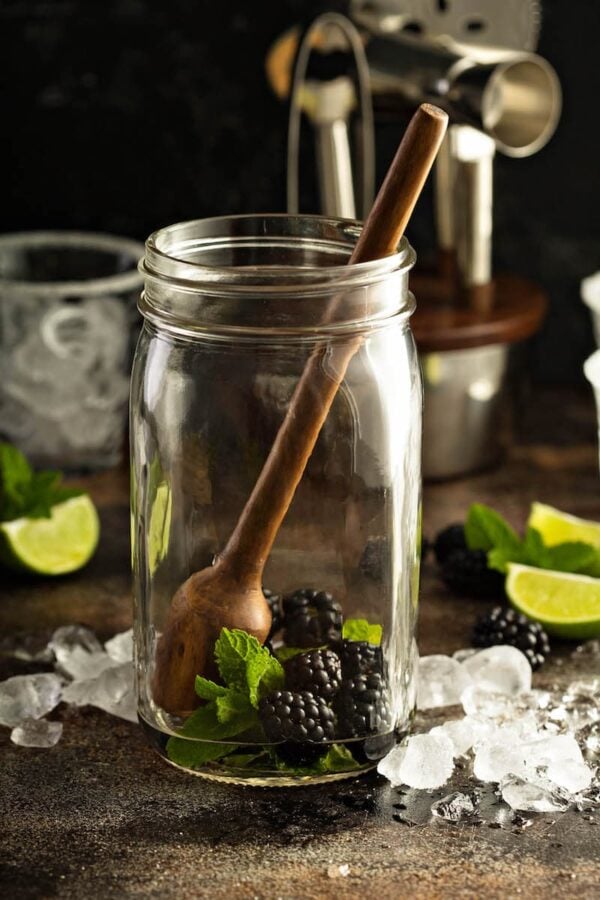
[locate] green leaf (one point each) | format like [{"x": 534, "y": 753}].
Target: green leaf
[
  {"x": 235, "y": 711},
  {"x": 485, "y": 529},
  {"x": 246, "y": 665},
  {"x": 195, "y": 754},
  {"x": 272, "y": 679},
  {"x": 244, "y": 760},
  {"x": 208, "y": 690},
  {"x": 24, "y": 493},
  {"x": 362, "y": 630},
  {"x": 233, "y": 649},
  {"x": 204, "y": 724},
  {"x": 336, "y": 758},
  {"x": 285, "y": 653}
]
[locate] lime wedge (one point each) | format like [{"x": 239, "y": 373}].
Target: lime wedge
[
  {"x": 566, "y": 605},
  {"x": 54, "y": 546},
  {"x": 556, "y": 526}
]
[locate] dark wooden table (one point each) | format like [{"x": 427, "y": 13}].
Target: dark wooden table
[{"x": 101, "y": 816}]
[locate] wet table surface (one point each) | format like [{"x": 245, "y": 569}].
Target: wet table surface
[{"x": 99, "y": 815}]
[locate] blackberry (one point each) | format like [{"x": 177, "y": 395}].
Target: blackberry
[
  {"x": 360, "y": 658},
  {"x": 506, "y": 626},
  {"x": 311, "y": 618},
  {"x": 274, "y": 601},
  {"x": 447, "y": 541},
  {"x": 362, "y": 706},
  {"x": 374, "y": 558},
  {"x": 318, "y": 672},
  {"x": 467, "y": 572},
  {"x": 296, "y": 716}
]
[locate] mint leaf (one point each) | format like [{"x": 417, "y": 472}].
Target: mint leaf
[
  {"x": 24, "y": 493},
  {"x": 485, "y": 529},
  {"x": 243, "y": 760},
  {"x": 362, "y": 630},
  {"x": 246, "y": 666},
  {"x": 233, "y": 649},
  {"x": 235, "y": 711},
  {"x": 194, "y": 754},
  {"x": 272, "y": 678},
  {"x": 204, "y": 724},
  {"x": 500, "y": 557},
  {"x": 15, "y": 478},
  {"x": 285, "y": 653},
  {"x": 337, "y": 759},
  {"x": 208, "y": 690}
]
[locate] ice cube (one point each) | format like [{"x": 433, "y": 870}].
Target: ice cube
[
  {"x": 533, "y": 795},
  {"x": 37, "y": 733},
  {"x": 585, "y": 690},
  {"x": 422, "y": 761},
  {"x": 456, "y": 807},
  {"x": 478, "y": 701},
  {"x": 562, "y": 760},
  {"x": 441, "y": 681},
  {"x": 28, "y": 697},
  {"x": 120, "y": 647},
  {"x": 466, "y": 653},
  {"x": 503, "y": 669},
  {"x": 112, "y": 691},
  {"x": 80, "y": 665},
  {"x": 69, "y": 636},
  {"x": 494, "y": 760},
  {"x": 464, "y": 733}
]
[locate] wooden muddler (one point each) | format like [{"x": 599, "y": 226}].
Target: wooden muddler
[{"x": 229, "y": 593}]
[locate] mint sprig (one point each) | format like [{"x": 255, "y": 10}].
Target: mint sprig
[
  {"x": 249, "y": 672},
  {"x": 25, "y": 493},
  {"x": 362, "y": 630},
  {"x": 487, "y": 530}
]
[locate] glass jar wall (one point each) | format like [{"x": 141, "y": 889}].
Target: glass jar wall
[{"x": 276, "y": 582}]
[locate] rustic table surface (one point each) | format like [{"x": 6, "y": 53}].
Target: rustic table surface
[{"x": 99, "y": 815}]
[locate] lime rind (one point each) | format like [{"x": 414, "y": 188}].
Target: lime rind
[{"x": 566, "y": 604}]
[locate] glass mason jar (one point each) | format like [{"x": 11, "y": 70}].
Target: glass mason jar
[{"x": 274, "y": 645}]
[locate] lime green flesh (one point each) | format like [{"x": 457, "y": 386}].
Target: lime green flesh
[
  {"x": 556, "y": 527},
  {"x": 567, "y": 605},
  {"x": 54, "y": 546}
]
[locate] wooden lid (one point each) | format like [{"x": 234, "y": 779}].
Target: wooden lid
[{"x": 507, "y": 310}]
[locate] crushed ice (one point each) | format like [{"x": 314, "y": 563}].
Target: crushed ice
[
  {"x": 540, "y": 749},
  {"x": 86, "y": 674}
]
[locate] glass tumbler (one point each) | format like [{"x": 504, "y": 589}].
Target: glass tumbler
[
  {"x": 68, "y": 322},
  {"x": 274, "y": 638}
]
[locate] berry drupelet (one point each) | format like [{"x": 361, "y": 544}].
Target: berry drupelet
[
  {"x": 467, "y": 572},
  {"x": 318, "y": 672},
  {"x": 296, "y": 716},
  {"x": 360, "y": 658},
  {"x": 362, "y": 706},
  {"x": 311, "y": 618},
  {"x": 506, "y": 626},
  {"x": 447, "y": 541}
]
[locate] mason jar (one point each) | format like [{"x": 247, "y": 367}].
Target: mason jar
[{"x": 275, "y": 446}]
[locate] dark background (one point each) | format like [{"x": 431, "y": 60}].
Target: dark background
[{"x": 125, "y": 115}]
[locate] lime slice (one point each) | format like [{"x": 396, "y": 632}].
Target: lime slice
[
  {"x": 54, "y": 546},
  {"x": 566, "y": 605},
  {"x": 556, "y": 526}
]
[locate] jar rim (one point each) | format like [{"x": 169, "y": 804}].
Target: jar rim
[
  {"x": 168, "y": 253},
  {"x": 120, "y": 282}
]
